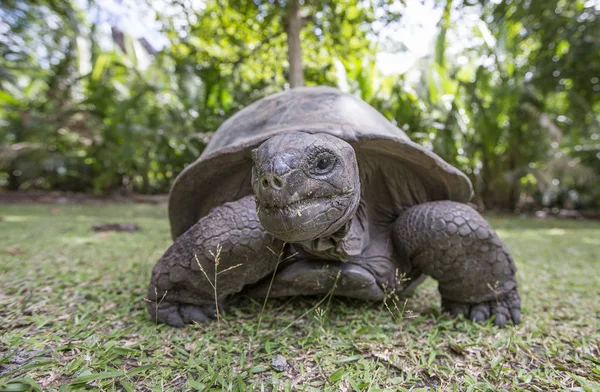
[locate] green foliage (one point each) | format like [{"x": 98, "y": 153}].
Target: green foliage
[
  {"x": 500, "y": 110},
  {"x": 89, "y": 119},
  {"x": 553, "y": 48},
  {"x": 95, "y": 119},
  {"x": 511, "y": 99}
]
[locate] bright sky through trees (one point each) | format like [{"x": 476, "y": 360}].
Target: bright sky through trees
[{"x": 416, "y": 31}]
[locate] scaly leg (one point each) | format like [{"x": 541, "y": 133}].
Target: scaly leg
[
  {"x": 453, "y": 244},
  {"x": 179, "y": 291}
]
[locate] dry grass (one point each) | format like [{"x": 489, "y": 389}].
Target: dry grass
[{"x": 72, "y": 316}]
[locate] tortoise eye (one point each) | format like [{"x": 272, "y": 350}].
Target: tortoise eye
[{"x": 323, "y": 164}]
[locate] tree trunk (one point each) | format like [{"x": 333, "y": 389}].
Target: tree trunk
[
  {"x": 486, "y": 181},
  {"x": 293, "y": 25}
]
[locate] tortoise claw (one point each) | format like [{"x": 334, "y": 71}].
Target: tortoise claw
[
  {"x": 505, "y": 309},
  {"x": 177, "y": 315}
]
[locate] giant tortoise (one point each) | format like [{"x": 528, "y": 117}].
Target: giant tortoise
[{"x": 312, "y": 190}]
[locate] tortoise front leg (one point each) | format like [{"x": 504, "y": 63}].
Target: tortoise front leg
[
  {"x": 182, "y": 284},
  {"x": 453, "y": 244}
]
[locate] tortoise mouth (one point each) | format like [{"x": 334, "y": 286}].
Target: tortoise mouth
[
  {"x": 295, "y": 207},
  {"x": 307, "y": 218}
]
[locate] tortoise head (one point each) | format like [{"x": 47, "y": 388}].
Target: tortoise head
[{"x": 306, "y": 185}]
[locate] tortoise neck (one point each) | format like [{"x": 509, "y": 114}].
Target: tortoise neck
[{"x": 349, "y": 240}]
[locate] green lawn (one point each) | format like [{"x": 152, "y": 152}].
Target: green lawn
[{"x": 72, "y": 316}]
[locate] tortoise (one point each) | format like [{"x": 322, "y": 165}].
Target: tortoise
[{"x": 311, "y": 191}]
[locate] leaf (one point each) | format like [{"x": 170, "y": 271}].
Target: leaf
[
  {"x": 362, "y": 330},
  {"x": 195, "y": 384},
  {"x": 96, "y": 376},
  {"x": 337, "y": 375},
  {"x": 127, "y": 386},
  {"x": 225, "y": 97},
  {"x": 440, "y": 43},
  {"x": 350, "y": 359},
  {"x": 7, "y": 98},
  {"x": 8, "y": 356},
  {"x": 258, "y": 369},
  {"x": 34, "y": 385},
  {"x": 17, "y": 386},
  {"x": 432, "y": 356},
  {"x": 99, "y": 66},
  {"x": 587, "y": 384},
  {"x": 139, "y": 369}
]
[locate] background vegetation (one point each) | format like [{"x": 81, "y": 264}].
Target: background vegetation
[{"x": 510, "y": 93}]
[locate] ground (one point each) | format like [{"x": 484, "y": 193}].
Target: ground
[{"x": 73, "y": 316}]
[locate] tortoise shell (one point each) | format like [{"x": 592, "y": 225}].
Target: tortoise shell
[{"x": 395, "y": 172}]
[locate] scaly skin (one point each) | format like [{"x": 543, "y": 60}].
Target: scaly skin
[
  {"x": 453, "y": 244},
  {"x": 179, "y": 292}
]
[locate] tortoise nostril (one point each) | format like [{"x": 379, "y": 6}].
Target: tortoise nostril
[{"x": 270, "y": 181}]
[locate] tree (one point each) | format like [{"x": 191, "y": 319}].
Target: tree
[
  {"x": 557, "y": 44},
  {"x": 293, "y": 25},
  {"x": 501, "y": 114},
  {"x": 240, "y": 37},
  {"x": 78, "y": 117}
]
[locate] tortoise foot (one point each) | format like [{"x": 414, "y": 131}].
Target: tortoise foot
[
  {"x": 177, "y": 315},
  {"x": 503, "y": 309}
]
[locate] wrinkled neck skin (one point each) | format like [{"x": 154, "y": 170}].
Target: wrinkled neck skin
[{"x": 350, "y": 240}]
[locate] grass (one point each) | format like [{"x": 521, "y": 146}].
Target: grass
[{"x": 72, "y": 316}]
